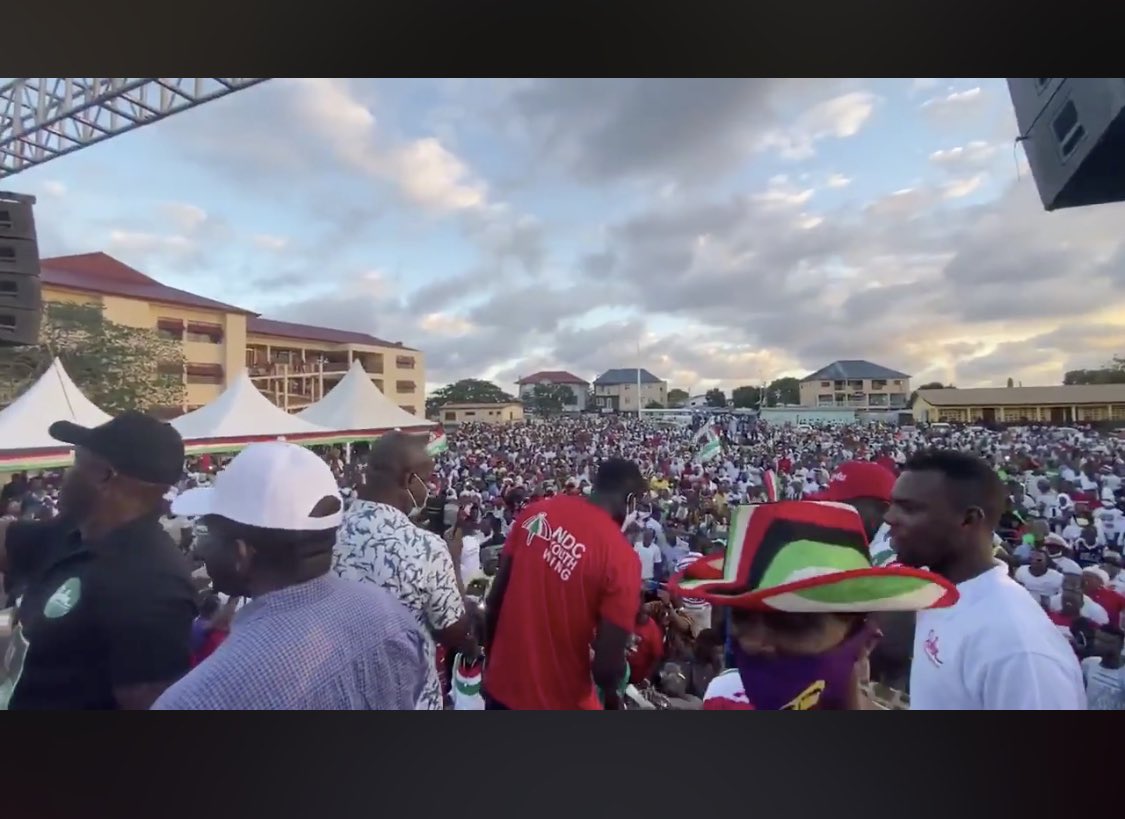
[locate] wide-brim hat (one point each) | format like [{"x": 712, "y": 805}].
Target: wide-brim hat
[{"x": 807, "y": 557}]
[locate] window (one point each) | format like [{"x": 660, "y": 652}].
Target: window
[
  {"x": 204, "y": 332},
  {"x": 470, "y": 413},
  {"x": 878, "y": 383},
  {"x": 404, "y": 362},
  {"x": 1068, "y": 130},
  {"x": 170, "y": 328},
  {"x": 897, "y": 383},
  {"x": 826, "y": 383},
  {"x": 450, "y": 416},
  {"x": 404, "y": 386},
  {"x": 194, "y": 378},
  {"x": 7, "y": 253},
  {"x": 6, "y": 218},
  {"x": 379, "y": 384},
  {"x": 170, "y": 368},
  {"x": 204, "y": 373}
]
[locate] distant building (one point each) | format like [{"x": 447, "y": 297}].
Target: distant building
[
  {"x": 854, "y": 384},
  {"x": 1084, "y": 403},
  {"x": 504, "y": 413},
  {"x": 618, "y": 390},
  {"x": 697, "y": 401},
  {"x": 577, "y": 385}
]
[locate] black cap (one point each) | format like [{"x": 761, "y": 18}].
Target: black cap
[{"x": 136, "y": 445}]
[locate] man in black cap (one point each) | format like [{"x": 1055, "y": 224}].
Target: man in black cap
[{"x": 105, "y": 598}]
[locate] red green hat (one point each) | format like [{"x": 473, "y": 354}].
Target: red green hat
[{"x": 807, "y": 556}]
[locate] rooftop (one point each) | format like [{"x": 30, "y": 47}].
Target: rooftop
[
  {"x": 287, "y": 329},
  {"x": 552, "y": 377},
  {"x": 1025, "y": 396},
  {"x": 479, "y": 405},
  {"x": 853, "y": 368},
  {"x": 625, "y": 376},
  {"x": 101, "y": 273}
]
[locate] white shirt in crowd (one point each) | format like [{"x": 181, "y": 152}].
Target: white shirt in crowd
[
  {"x": 1105, "y": 687},
  {"x": 470, "y": 557},
  {"x": 1066, "y": 565},
  {"x": 994, "y": 650},
  {"x": 1047, "y": 584},
  {"x": 650, "y": 556}
]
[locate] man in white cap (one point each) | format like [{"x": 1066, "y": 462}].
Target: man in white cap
[{"x": 307, "y": 640}]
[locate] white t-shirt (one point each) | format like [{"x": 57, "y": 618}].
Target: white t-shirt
[
  {"x": 1066, "y": 565},
  {"x": 470, "y": 557},
  {"x": 1105, "y": 687},
  {"x": 650, "y": 556},
  {"x": 1045, "y": 585},
  {"x": 994, "y": 650}
]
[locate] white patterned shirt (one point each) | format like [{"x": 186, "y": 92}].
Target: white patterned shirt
[{"x": 378, "y": 544}]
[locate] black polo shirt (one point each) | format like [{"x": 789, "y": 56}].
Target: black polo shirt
[{"x": 93, "y": 616}]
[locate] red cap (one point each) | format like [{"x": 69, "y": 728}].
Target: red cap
[{"x": 858, "y": 479}]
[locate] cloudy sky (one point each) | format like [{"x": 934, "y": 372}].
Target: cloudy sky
[{"x": 721, "y": 232}]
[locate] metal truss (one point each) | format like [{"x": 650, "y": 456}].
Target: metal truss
[{"x": 42, "y": 118}]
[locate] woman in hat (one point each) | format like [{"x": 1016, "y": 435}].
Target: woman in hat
[{"x": 798, "y": 580}]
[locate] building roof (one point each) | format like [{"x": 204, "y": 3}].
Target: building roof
[
  {"x": 625, "y": 376},
  {"x": 479, "y": 405},
  {"x": 852, "y": 368},
  {"x": 287, "y": 329},
  {"x": 1025, "y": 396},
  {"x": 101, "y": 273},
  {"x": 552, "y": 377}
]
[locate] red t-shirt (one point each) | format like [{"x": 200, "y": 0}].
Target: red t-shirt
[
  {"x": 647, "y": 652},
  {"x": 1112, "y": 602},
  {"x": 211, "y": 641},
  {"x": 571, "y": 567}
]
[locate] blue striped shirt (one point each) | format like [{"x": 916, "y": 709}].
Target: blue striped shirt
[{"x": 325, "y": 645}]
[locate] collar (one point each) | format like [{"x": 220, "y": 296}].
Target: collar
[
  {"x": 378, "y": 508},
  {"x": 291, "y": 597},
  {"x": 978, "y": 587}
]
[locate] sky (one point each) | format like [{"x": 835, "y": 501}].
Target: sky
[{"x": 718, "y": 232}]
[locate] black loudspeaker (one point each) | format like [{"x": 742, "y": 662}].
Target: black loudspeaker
[{"x": 21, "y": 295}]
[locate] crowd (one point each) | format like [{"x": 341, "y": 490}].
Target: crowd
[{"x": 944, "y": 567}]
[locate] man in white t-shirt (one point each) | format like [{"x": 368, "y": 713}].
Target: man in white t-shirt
[
  {"x": 1105, "y": 672},
  {"x": 1038, "y": 577},
  {"x": 995, "y": 649},
  {"x": 649, "y": 553}
]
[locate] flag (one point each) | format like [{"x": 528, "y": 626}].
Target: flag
[
  {"x": 773, "y": 486},
  {"x": 712, "y": 444},
  {"x": 438, "y": 443}
]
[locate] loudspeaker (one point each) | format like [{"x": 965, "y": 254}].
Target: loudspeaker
[
  {"x": 21, "y": 296},
  {"x": 1073, "y": 133}
]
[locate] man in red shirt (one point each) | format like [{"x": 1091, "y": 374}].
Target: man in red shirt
[
  {"x": 568, "y": 581},
  {"x": 646, "y": 648},
  {"x": 1095, "y": 582}
]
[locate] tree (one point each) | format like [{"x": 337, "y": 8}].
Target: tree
[
  {"x": 932, "y": 385},
  {"x": 678, "y": 398},
  {"x": 716, "y": 398},
  {"x": 746, "y": 397},
  {"x": 548, "y": 398},
  {"x": 1011, "y": 383},
  {"x": 783, "y": 391},
  {"x": 116, "y": 366},
  {"x": 654, "y": 405},
  {"x": 1111, "y": 373},
  {"x": 467, "y": 391}
]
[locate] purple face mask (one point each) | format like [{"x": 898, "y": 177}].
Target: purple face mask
[{"x": 801, "y": 683}]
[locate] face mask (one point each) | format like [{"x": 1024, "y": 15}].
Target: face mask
[
  {"x": 817, "y": 682},
  {"x": 418, "y": 505}
]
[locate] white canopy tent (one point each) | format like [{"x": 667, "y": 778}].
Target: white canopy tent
[
  {"x": 54, "y": 397},
  {"x": 242, "y": 412},
  {"x": 357, "y": 404}
]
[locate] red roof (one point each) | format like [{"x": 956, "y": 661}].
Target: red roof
[
  {"x": 99, "y": 273},
  {"x": 287, "y": 329},
  {"x": 553, "y": 377}
]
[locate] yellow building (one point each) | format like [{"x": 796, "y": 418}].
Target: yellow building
[
  {"x": 622, "y": 391},
  {"x": 1042, "y": 405},
  {"x": 505, "y": 413},
  {"x": 294, "y": 364},
  {"x": 855, "y": 384}
]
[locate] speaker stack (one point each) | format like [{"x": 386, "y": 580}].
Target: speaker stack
[{"x": 21, "y": 296}]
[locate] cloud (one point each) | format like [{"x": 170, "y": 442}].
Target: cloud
[
  {"x": 955, "y": 104},
  {"x": 957, "y": 188},
  {"x": 838, "y": 118},
  {"x": 838, "y": 180},
  {"x": 265, "y": 241},
  {"x": 973, "y": 155}
]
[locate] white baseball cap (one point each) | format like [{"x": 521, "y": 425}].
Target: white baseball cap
[{"x": 272, "y": 485}]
